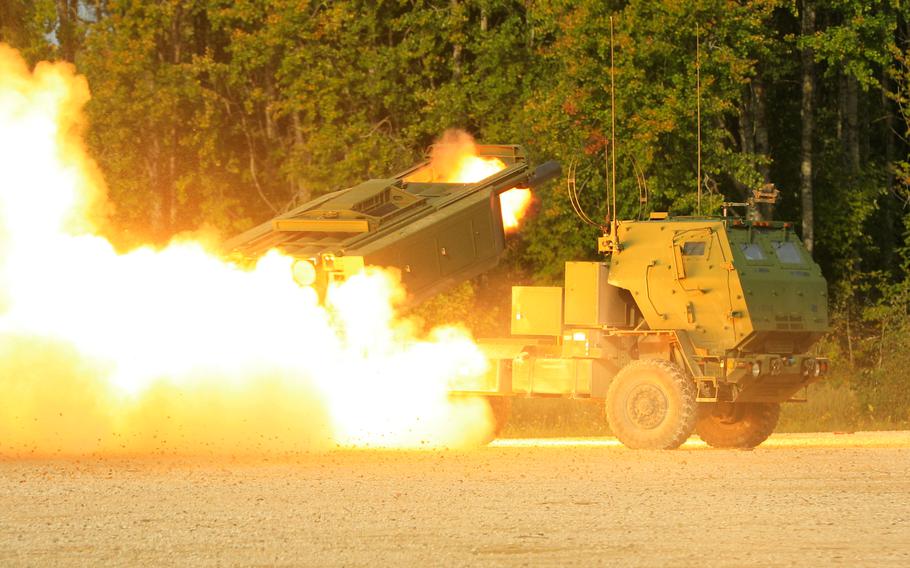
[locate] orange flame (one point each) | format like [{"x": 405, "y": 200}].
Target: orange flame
[
  {"x": 455, "y": 160},
  {"x": 177, "y": 350},
  {"x": 514, "y": 204}
]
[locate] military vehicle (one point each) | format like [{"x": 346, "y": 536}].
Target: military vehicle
[
  {"x": 692, "y": 323},
  {"x": 689, "y": 324}
]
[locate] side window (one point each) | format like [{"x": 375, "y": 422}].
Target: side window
[
  {"x": 752, "y": 251},
  {"x": 787, "y": 252},
  {"x": 693, "y": 248}
]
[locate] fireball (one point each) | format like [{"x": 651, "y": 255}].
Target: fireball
[
  {"x": 176, "y": 350},
  {"x": 455, "y": 160}
]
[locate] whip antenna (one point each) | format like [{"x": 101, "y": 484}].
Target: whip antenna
[
  {"x": 614, "y": 240},
  {"x": 612, "y": 130},
  {"x": 698, "y": 112}
]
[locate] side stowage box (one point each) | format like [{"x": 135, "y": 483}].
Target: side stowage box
[
  {"x": 590, "y": 300},
  {"x": 537, "y": 310}
]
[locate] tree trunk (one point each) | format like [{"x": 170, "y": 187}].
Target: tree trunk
[
  {"x": 14, "y": 18},
  {"x": 888, "y": 240},
  {"x": 254, "y": 170},
  {"x": 851, "y": 123},
  {"x": 457, "y": 47},
  {"x": 746, "y": 130},
  {"x": 270, "y": 130},
  {"x": 807, "y": 114},
  {"x": 764, "y": 211},
  {"x": 762, "y": 147},
  {"x": 173, "y": 135},
  {"x": 153, "y": 172},
  {"x": 172, "y": 175},
  {"x": 301, "y": 193},
  {"x": 66, "y": 28},
  {"x": 746, "y": 137}
]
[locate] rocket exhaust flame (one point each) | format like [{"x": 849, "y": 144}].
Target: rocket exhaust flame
[
  {"x": 175, "y": 350},
  {"x": 455, "y": 160},
  {"x": 514, "y": 204}
]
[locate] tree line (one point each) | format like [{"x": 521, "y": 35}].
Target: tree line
[{"x": 224, "y": 112}]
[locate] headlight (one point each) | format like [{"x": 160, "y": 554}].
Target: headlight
[
  {"x": 756, "y": 369},
  {"x": 304, "y": 272}
]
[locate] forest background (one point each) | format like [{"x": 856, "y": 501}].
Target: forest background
[{"x": 221, "y": 113}]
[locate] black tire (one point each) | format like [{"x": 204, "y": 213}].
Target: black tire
[
  {"x": 651, "y": 405},
  {"x": 736, "y": 425}
]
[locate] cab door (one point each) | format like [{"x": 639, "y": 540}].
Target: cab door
[{"x": 703, "y": 286}]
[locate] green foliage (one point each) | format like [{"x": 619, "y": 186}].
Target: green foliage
[
  {"x": 883, "y": 354},
  {"x": 830, "y": 407},
  {"x": 543, "y": 417},
  {"x": 858, "y": 39},
  {"x": 899, "y": 74},
  {"x": 656, "y": 127},
  {"x": 25, "y": 24},
  {"x": 458, "y": 306}
]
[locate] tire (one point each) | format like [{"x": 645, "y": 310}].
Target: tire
[
  {"x": 651, "y": 405},
  {"x": 736, "y": 425}
]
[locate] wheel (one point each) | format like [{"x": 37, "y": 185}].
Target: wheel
[
  {"x": 500, "y": 410},
  {"x": 736, "y": 425},
  {"x": 651, "y": 405}
]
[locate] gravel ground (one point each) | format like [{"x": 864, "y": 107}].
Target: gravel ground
[{"x": 798, "y": 500}]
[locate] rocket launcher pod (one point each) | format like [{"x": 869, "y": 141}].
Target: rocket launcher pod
[{"x": 436, "y": 234}]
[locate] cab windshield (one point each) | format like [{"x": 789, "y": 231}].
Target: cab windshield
[
  {"x": 752, "y": 251},
  {"x": 786, "y": 252}
]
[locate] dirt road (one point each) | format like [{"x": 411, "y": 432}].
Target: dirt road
[{"x": 798, "y": 500}]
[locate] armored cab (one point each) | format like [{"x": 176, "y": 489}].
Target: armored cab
[
  {"x": 740, "y": 292},
  {"x": 436, "y": 233}
]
